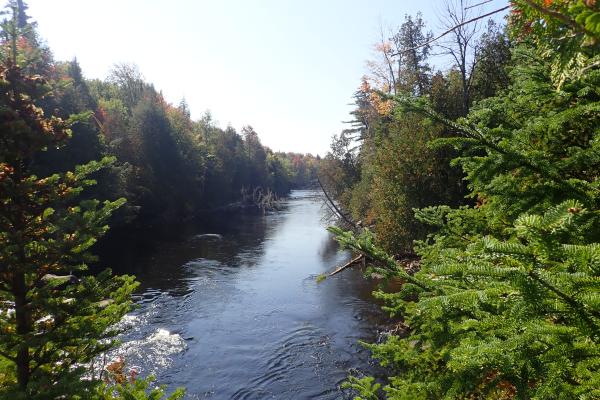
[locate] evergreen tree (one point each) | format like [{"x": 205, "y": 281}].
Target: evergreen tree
[
  {"x": 22, "y": 17},
  {"x": 412, "y": 53},
  {"x": 490, "y": 74},
  {"x": 506, "y": 303},
  {"x": 54, "y": 318},
  {"x": 32, "y": 55},
  {"x": 256, "y": 158},
  {"x": 409, "y": 174}
]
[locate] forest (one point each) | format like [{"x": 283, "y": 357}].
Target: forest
[
  {"x": 155, "y": 145},
  {"x": 118, "y": 139},
  {"x": 476, "y": 189},
  {"x": 471, "y": 194}
]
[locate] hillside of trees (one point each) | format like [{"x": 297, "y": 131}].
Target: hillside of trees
[
  {"x": 75, "y": 155},
  {"x": 383, "y": 166},
  {"x": 168, "y": 166},
  {"x": 476, "y": 190}
]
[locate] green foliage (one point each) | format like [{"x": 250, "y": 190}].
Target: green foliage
[
  {"x": 506, "y": 301},
  {"x": 409, "y": 174},
  {"x": 385, "y": 166},
  {"x": 202, "y": 166},
  {"x": 532, "y": 157},
  {"x": 139, "y": 389},
  {"x": 567, "y": 34},
  {"x": 365, "y": 387},
  {"x": 496, "y": 317},
  {"x": 54, "y": 318},
  {"x": 490, "y": 75}
]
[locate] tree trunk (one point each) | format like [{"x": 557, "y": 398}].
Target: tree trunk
[{"x": 23, "y": 328}]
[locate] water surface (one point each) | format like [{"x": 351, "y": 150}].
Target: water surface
[{"x": 238, "y": 314}]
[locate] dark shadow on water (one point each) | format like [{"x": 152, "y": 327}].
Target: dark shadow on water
[
  {"x": 158, "y": 256},
  {"x": 230, "y": 307}
]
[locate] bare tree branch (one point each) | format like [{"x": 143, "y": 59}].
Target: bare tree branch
[
  {"x": 338, "y": 211},
  {"x": 454, "y": 28},
  {"x": 350, "y": 263},
  {"x": 388, "y": 61},
  {"x": 478, "y": 4}
]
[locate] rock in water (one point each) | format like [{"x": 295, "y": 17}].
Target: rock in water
[{"x": 215, "y": 236}]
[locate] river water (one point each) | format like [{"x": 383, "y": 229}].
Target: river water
[{"x": 239, "y": 314}]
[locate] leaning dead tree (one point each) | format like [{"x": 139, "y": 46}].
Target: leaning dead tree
[{"x": 331, "y": 204}]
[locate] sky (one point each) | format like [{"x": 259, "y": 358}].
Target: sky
[{"x": 288, "y": 68}]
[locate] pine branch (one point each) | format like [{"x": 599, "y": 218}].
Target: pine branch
[
  {"x": 474, "y": 133},
  {"x": 8, "y": 356},
  {"x": 584, "y": 311}
]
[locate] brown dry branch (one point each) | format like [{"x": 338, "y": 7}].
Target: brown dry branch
[{"x": 358, "y": 259}]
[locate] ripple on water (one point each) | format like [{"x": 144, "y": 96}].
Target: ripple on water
[
  {"x": 203, "y": 269},
  {"x": 249, "y": 329},
  {"x": 300, "y": 352}
]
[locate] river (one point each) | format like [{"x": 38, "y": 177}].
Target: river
[{"x": 238, "y": 313}]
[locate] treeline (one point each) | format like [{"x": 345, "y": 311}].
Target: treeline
[
  {"x": 383, "y": 166},
  {"x": 168, "y": 166},
  {"x": 76, "y": 155},
  {"x": 489, "y": 175}
]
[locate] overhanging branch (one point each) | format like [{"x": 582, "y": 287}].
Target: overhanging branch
[{"x": 452, "y": 30}]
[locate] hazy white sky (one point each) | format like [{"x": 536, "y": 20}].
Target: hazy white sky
[{"x": 286, "y": 67}]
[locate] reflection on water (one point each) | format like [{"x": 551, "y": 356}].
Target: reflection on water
[{"x": 237, "y": 314}]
